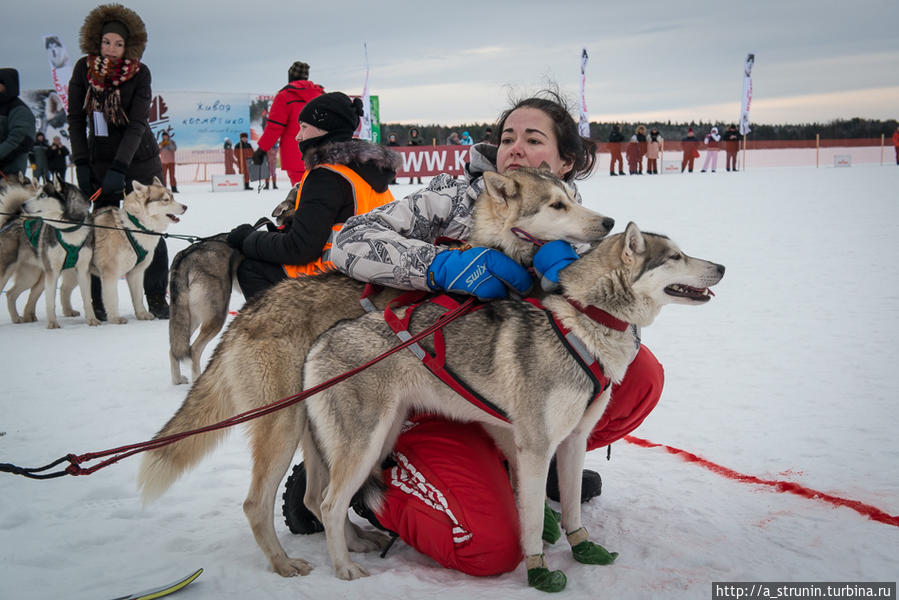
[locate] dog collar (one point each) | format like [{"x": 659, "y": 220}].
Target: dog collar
[{"x": 599, "y": 315}]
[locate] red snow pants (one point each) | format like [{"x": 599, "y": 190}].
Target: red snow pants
[{"x": 449, "y": 496}]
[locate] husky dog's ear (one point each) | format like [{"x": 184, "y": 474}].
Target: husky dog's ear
[
  {"x": 544, "y": 166},
  {"x": 500, "y": 186},
  {"x": 139, "y": 187},
  {"x": 634, "y": 244},
  {"x": 157, "y": 182},
  {"x": 57, "y": 183}
]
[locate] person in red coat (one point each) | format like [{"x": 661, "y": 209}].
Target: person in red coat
[
  {"x": 282, "y": 124},
  {"x": 896, "y": 144}
]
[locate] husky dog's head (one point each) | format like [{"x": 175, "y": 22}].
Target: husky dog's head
[
  {"x": 153, "y": 205},
  {"x": 537, "y": 202},
  {"x": 58, "y": 200},
  {"x": 633, "y": 274}
]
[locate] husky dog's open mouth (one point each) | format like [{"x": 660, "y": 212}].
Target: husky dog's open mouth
[{"x": 691, "y": 293}]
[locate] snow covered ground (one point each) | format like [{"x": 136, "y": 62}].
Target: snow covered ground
[{"x": 788, "y": 374}]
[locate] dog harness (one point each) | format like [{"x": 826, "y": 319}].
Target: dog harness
[
  {"x": 33, "y": 228},
  {"x": 138, "y": 249},
  {"x": 436, "y": 362}
]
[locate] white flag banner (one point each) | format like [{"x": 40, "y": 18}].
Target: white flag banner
[
  {"x": 365, "y": 131},
  {"x": 747, "y": 94},
  {"x": 60, "y": 68},
  {"x": 583, "y": 125}
]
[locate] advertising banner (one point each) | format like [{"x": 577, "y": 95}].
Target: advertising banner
[
  {"x": 583, "y": 125},
  {"x": 432, "y": 160},
  {"x": 60, "y": 68},
  {"x": 747, "y": 94},
  {"x": 200, "y": 120}
]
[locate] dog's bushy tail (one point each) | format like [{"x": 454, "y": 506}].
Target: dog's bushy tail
[
  {"x": 179, "y": 315},
  {"x": 209, "y": 401},
  {"x": 11, "y": 202}
]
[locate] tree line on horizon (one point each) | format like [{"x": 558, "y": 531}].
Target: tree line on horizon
[{"x": 838, "y": 129}]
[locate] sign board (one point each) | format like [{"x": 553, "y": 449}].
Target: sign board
[
  {"x": 671, "y": 166},
  {"x": 842, "y": 160},
  {"x": 227, "y": 183}
]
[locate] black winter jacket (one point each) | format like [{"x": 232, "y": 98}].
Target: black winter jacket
[{"x": 326, "y": 199}]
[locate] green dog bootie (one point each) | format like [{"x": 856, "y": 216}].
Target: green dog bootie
[
  {"x": 592, "y": 554},
  {"x": 551, "y": 529},
  {"x": 540, "y": 577}
]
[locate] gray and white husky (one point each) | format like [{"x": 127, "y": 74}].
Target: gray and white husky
[
  {"x": 260, "y": 357},
  {"x": 124, "y": 242},
  {"x": 64, "y": 249},
  {"x": 510, "y": 353},
  {"x": 200, "y": 282},
  {"x": 17, "y": 256}
]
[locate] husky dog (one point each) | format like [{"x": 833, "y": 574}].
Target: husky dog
[
  {"x": 64, "y": 242},
  {"x": 122, "y": 248},
  {"x": 200, "y": 282},
  {"x": 510, "y": 353},
  {"x": 260, "y": 357},
  {"x": 15, "y": 253}
]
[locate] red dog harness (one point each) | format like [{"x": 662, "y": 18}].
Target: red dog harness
[{"x": 436, "y": 362}]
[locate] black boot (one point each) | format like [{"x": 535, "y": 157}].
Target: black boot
[
  {"x": 157, "y": 305},
  {"x": 174, "y": 189},
  {"x": 591, "y": 483},
  {"x": 298, "y": 518},
  {"x": 274, "y": 185},
  {"x": 246, "y": 186}
]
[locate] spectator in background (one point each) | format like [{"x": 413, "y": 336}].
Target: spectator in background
[
  {"x": 391, "y": 140},
  {"x": 272, "y": 156},
  {"x": 640, "y": 138},
  {"x": 731, "y": 146},
  {"x": 895, "y": 144},
  {"x": 691, "y": 153},
  {"x": 38, "y": 159},
  {"x": 632, "y": 153},
  {"x": 112, "y": 144},
  {"x": 414, "y": 140},
  {"x": 229, "y": 157},
  {"x": 712, "y": 142},
  {"x": 466, "y": 139},
  {"x": 17, "y": 129},
  {"x": 167, "y": 149},
  {"x": 282, "y": 124},
  {"x": 452, "y": 139},
  {"x": 243, "y": 152},
  {"x": 615, "y": 140},
  {"x": 654, "y": 145},
  {"x": 487, "y": 133},
  {"x": 57, "y": 159}
]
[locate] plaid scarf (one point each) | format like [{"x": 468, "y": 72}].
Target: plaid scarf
[{"x": 105, "y": 75}]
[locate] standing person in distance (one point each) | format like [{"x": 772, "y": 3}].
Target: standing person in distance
[
  {"x": 40, "y": 170},
  {"x": 615, "y": 140},
  {"x": 112, "y": 144},
  {"x": 691, "y": 152},
  {"x": 167, "y": 148},
  {"x": 414, "y": 140},
  {"x": 731, "y": 139},
  {"x": 654, "y": 145},
  {"x": 712, "y": 141},
  {"x": 895, "y": 144},
  {"x": 57, "y": 155},
  {"x": 243, "y": 152},
  {"x": 282, "y": 125},
  {"x": 17, "y": 131}
]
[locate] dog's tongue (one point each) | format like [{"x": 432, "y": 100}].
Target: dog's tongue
[{"x": 174, "y": 218}]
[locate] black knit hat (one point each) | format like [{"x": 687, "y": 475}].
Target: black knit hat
[
  {"x": 298, "y": 70},
  {"x": 116, "y": 27},
  {"x": 333, "y": 112}
]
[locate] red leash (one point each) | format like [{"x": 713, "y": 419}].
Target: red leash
[{"x": 123, "y": 452}]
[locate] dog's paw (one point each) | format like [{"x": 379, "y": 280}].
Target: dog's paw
[
  {"x": 181, "y": 380},
  {"x": 592, "y": 554},
  {"x": 17, "y": 319},
  {"x": 29, "y": 319},
  {"x": 147, "y": 316},
  {"x": 93, "y": 322},
  {"x": 118, "y": 320},
  {"x": 350, "y": 571},
  {"x": 52, "y": 325},
  {"x": 71, "y": 313},
  {"x": 291, "y": 567},
  {"x": 368, "y": 541}
]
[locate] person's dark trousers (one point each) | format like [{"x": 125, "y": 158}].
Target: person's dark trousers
[{"x": 256, "y": 276}]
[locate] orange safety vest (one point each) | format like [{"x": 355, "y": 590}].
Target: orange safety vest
[{"x": 365, "y": 198}]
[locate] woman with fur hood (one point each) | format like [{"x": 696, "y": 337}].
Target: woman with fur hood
[
  {"x": 343, "y": 177},
  {"x": 112, "y": 144}
]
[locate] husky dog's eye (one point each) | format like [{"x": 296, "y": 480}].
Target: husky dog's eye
[
  {"x": 676, "y": 256},
  {"x": 557, "y": 205}
]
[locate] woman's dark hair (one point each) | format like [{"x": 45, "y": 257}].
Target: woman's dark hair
[{"x": 579, "y": 150}]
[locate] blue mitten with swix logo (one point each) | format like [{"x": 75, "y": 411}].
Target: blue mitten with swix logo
[
  {"x": 481, "y": 272},
  {"x": 550, "y": 259}
]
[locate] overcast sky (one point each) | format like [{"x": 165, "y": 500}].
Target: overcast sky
[{"x": 459, "y": 61}]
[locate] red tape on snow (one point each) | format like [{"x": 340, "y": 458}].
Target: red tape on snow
[{"x": 787, "y": 487}]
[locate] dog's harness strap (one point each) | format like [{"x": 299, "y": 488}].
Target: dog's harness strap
[
  {"x": 436, "y": 363},
  {"x": 138, "y": 249},
  {"x": 578, "y": 351},
  {"x": 32, "y": 229},
  {"x": 71, "y": 251},
  {"x": 370, "y": 290}
]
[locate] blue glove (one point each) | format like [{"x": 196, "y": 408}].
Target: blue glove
[
  {"x": 481, "y": 272},
  {"x": 113, "y": 182},
  {"x": 237, "y": 235},
  {"x": 550, "y": 259}
]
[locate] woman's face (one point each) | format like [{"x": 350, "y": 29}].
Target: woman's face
[
  {"x": 307, "y": 132},
  {"x": 528, "y": 139},
  {"x": 112, "y": 46}
]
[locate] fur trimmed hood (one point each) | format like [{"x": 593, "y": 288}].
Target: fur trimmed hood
[
  {"x": 358, "y": 151},
  {"x": 92, "y": 30}
]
